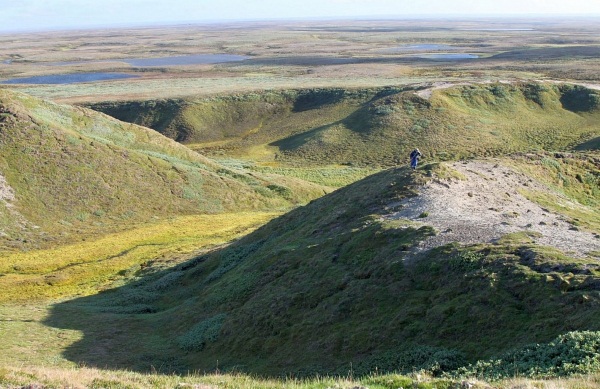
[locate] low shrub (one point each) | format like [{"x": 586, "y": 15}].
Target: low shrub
[
  {"x": 575, "y": 352},
  {"x": 165, "y": 282},
  {"x": 434, "y": 360},
  {"x": 204, "y": 332}
]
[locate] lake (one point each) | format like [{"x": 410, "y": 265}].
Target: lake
[
  {"x": 497, "y": 29},
  {"x": 448, "y": 56},
  {"x": 419, "y": 47},
  {"x": 198, "y": 59},
  {"x": 69, "y": 78},
  {"x": 185, "y": 60}
]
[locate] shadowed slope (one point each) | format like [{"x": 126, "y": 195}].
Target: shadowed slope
[{"x": 337, "y": 282}]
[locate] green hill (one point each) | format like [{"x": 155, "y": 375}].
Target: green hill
[
  {"x": 67, "y": 173},
  {"x": 376, "y": 126},
  {"x": 347, "y": 283}
]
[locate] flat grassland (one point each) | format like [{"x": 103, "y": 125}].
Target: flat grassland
[{"x": 304, "y": 54}]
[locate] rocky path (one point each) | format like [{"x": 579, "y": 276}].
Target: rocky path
[{"x": 486, "y": 206}]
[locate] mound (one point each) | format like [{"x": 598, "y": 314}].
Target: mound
[
  {"x": 67, "y": 172},
  {"x": 377, "y": 126},
  {"x": 352, "y": 279}
]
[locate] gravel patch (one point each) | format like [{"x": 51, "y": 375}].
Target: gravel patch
[{"x": 487, "y": 206}]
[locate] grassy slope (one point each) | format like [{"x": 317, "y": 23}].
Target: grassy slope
[
  {"x": 237, "y": 123},
  {"x": 326, "y": 285},
  {"x": 570, "y": 177},
  {"x": 74, "y": 172},
  {"x": 377, "y": 126},
  {"x": 85, "y": 267},
  {"x": 330, "y": 284},
  {"x": 458, "y": 122}
]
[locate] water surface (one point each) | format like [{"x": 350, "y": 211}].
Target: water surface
[
  {"x": 497, "y": 29},
  {"x": 420, "y": 47},
  {"x": 448, "y": 56},
  {"x": 69, "y": 78},
  {"x": 198, "y": 59}
]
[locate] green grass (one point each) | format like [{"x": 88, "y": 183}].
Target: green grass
[
  {"x": 83, "y": 268},
  {"x": 333, "y": 176},
  {"x": 235, "y": 124},
  {"x": 375, "y": 126},
  {"x": 328, "y": 288},
  {"x": 332, "y": 284},
  {"x": 331, "y": 287},
  {"x": 31, "y": 281},
  {"x": 575, "y": 180},
  {"x": 77, "y": 174},
  {"x": 94, "y": 378}
]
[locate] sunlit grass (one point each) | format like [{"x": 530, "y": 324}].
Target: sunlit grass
[
  {"x": 32, "y": 351},
  {"x": 575, "y": 183},
  {"x": 83, "y": 377},
  {"x": 175, "y": 87},
  {"x": 84, "y": 267},
  {"x": 335, "y": 176}
]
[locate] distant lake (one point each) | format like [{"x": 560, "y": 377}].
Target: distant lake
[
  {"x": 449, "y": 56},
  {"x": 420, "y": 47},
  {"x": 68, "y": 78},
  {"x": 497, "y": 29},
  {"x": 185, "y": 60},
  {"x": 198, "y": 59}
]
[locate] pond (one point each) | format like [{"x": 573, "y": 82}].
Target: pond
[
  {"x": 447, "y": 56},
  {"x": 497, "y": 29},
  {"x": 198, "y": 59},
  {"x": 420, "y": 47},
  {"x": 69, "y": 78}
]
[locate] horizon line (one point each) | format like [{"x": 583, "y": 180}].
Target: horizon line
[{"x": 207, "y": 22}]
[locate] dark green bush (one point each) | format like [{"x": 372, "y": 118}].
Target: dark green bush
[
  {"x": 571, "y": 353},
  {"x": 204, "y": 332},
  {"x": 434, "y": 360}
]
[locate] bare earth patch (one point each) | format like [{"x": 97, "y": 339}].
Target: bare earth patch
[
  {"x": 486, "y": 206},
  {"x": 6, "y": 192},
  {"x": 7, "y": 197}
]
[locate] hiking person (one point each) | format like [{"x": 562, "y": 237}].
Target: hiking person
[{"x": 414, "y": 158}]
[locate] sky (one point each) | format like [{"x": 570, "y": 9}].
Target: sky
[{"x": 26, "y": 15}]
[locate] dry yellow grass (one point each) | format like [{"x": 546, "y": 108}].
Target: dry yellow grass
[
  {"x": 83, "y": 268},
  {"x": 83, "y": 377}
]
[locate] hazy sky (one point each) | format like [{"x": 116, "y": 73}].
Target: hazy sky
[{"x": 45, "y": 14}]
